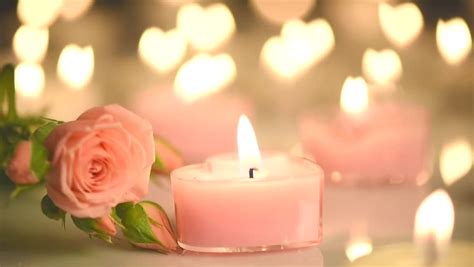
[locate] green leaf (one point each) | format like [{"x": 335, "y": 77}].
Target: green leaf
[
  {"x": 7, "y": 83},
  {"x": 39, "y": 163},
  {"x": 137, "y": 225},
  {"x": 116, "y": 218},
  {"x": 90, "y": 226},
  {"x": 51, "y": 210},
  {"x": 87, "y": 225}
]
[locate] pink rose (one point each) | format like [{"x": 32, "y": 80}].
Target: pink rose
[
  {"x": 100, "y": 160},
  {"x": 161, "y": 228},
  {"x": 18, "y": 169}
]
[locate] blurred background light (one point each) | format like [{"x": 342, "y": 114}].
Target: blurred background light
[
  {"x": 358, "y": 247},
  {"x": 30, "y": 43},
  {"x": 39, "y": 13},
  {"x": 73, "y": 9},
  {"x": 204, "y": 75},
  {"x": 381, "y": 67},
  {"x": 455, "y": 160},
  {"x": 454, "y": 40},
  {"x": 280, "y": 11},
  {"x": 76, "y": 65},
  {"x": 207, "y": 28},
  {"x": 162, "y": 51},
  {"x": 29, "y": 80},
  {"x": 401, "y": 23},
  {"x": 299, "y": 46}
]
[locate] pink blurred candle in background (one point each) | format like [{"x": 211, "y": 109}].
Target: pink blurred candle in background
[
  {"x": 197, "y": 129},
  {"x": 361, "y": 143}
]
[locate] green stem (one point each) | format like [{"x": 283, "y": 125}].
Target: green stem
[
  {"x": 7, "y": 82},
  {"x": 2, "y": 96}
]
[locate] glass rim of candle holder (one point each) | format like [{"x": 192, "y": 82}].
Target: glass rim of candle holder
[{"x": 310, "y": 168}]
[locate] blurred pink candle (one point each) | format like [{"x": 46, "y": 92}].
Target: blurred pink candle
[
  {"x": 197, "y": 129},
  {"x": 382, "y": 143},
  {"x": 221, "y": 208}
]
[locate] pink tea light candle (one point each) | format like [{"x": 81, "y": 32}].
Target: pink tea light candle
[
  {"x": 361, "y": 143},
  {"x": 248, "y": 201},
  {"x": 197, "y": 128}
]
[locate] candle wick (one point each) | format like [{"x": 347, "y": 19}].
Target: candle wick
[{"x": 251, "y": 171}]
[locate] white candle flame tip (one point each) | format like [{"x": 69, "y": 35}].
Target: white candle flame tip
[{"x": 249, "y": 153}]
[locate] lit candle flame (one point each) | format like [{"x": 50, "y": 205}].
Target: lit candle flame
[
  {"x": 162, "y": 51},
  {"x": 38, "y": 13},
  {"x": 455, "y": 160},
  {"x": 249, "y": 153},
  {"x": 354, "y": 95},
  {"x": 434, "y": 222},
  {"x": 358, "y": 247},
  {"x": 204, "y": 75},
  {"x": 29, "y": 80},
  {"x": 30, "y": 43},
  {"x": 76, "y": 65},
  {"x": 454, "y": 40}
]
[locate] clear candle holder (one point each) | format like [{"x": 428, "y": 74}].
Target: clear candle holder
[{"x": 220, "y": 212}]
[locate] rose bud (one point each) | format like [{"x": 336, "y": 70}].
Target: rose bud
[
  {"x": 160, "y": 227},
  {"x": 18, "y": 169},
  {"x": 167, "y": 157},
  {"x": 106, "y": 225}
]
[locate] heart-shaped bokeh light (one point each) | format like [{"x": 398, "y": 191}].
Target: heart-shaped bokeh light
[
  {"x": 454, "y": 40},
  {"x": 299, "y": 46},
  {"x": 30, "y": 43},
  {"x": 381, "y": 67},
  {"x": 204, "y": 75},
  {"x": 38, "y": 13},
  {"x": 401, "y": 24},
  {"x": 162, "y": 51},
  {"x": 76, "y": 65},
  {"x": 206, "y": 28},
  {"x": 73, "y": 9}
]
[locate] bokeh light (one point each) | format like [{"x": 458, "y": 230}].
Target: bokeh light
[
  {"x": 76, "y": 65},
  {"x": 204, "y": 75},
  {"x": 73, "y": 9},
  {"x": 29, "y": 80},
  {"x": 401, "y": 23},
  {"x": 162, "y": 51},
  {"x": 280, "y": 11},
  {"x": 30, "y": 43},
  {"x": 381, "y": 67},
  {"x": 38, "y": 13},
  {"x": 299, "y": 46},
  {"x": 206, "y": 28},
  {"x": 455, "y": 160},
  {"x": 454, "y": 40}
]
